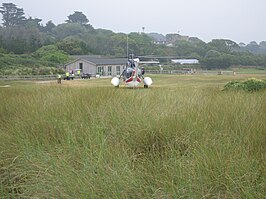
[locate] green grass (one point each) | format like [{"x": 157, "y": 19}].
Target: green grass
[
  {"x": 251, "y": 71},
  {"x": 182, "y": 138}
]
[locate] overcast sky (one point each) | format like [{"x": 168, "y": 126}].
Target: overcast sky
[{"x": 238, "y": 20}]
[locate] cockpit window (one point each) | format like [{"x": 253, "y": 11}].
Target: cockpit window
[{"x": 129, "y": 72}]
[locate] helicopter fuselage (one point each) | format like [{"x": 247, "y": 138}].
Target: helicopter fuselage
[{"x": 132, "y": 77}]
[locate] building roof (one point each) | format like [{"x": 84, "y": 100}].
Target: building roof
[
  {"x": 103, "y": 61},
  {"x": 185, "y": 61}
]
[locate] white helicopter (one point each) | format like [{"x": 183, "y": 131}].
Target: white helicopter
[{"x": 132, "y": 75}]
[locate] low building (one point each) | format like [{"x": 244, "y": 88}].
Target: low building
[
  {"x": 97, "y": 65},
  {"x": 185, "y": 61}
]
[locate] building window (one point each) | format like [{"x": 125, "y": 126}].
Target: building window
[
  {"x": 81, "y": 66},
  {"x": 100, "y": 70},
  {"x": 118, "y": 72},
  {"x": 109, "y": 70}
]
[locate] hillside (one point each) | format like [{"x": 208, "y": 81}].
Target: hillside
[{"x": 52, "y": 45}]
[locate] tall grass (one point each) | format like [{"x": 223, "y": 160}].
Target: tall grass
[{"x": 183, "y": 138}]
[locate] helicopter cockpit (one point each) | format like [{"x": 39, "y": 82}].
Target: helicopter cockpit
[{"x": 129, "y": 72}]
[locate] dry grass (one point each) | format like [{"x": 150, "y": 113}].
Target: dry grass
[{"x": 182, "y": 138}]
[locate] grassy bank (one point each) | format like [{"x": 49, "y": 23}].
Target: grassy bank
[
  {"x": 182, "y": 138},
  {"x": 12, "y": 64}
]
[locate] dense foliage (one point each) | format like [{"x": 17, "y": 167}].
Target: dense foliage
[
  {"x": 11, "y": 64},
  {"x": 21, "y": 35}
]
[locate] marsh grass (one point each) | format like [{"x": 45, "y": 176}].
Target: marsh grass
[{"x": 183, "y": 138}]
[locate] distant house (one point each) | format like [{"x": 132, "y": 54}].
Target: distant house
[
  {"x": 171, "y": 39},
  {"x": 157, "y": 38},
  {"x": 97, "y": 65},
  {"x": 185, "y": 61}
]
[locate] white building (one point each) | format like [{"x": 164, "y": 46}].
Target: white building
[{"x": 184, "y": 61}]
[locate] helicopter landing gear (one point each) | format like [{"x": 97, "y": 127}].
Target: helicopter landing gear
[{"x": 145, "y": 86}]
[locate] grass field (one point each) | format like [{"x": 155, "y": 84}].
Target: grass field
[{"x": 182, "y": 138}]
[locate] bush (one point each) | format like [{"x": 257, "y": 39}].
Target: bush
[
  {"x": 233, "y": 85},
  {"x": 51, "y": 53},
  {"x": 254, "y": 84},
  {"x": 250, "y": 85}
]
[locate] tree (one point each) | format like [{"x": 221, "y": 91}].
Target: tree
[
  {"x": 77, "y": 17},
  {"x": 49, "y": 26},
  {"x": 140, "y": 44},
  {"x": 253, "y": 47},
  {"x": 12, "y": 15},
  {"x": 263, "y": 44},
  {"x": 184, "y": 48},
  {"x": 72, "y": 46},
  {"x": 33, "y": 23},
  {"x": 217, "y": 60},
  {"x": 21, "y": 39},
  {"x": 223, "y": 45},
  {"x": 68, "y": 29},
  {"x": 212, "y": 53}
]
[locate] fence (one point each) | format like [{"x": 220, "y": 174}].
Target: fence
[
  {"x": 51, "y": 77},
  {"x": 202, "y": 72},
  {"x": 28, "y": 77}
]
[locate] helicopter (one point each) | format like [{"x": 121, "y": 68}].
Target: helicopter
[{"x": 132, "y": 75}]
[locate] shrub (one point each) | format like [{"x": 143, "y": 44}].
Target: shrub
[
  {"x": 254, "y": 84},
  {"x": 51, "y": 53},
  {"x": 233, "y": 85},
  {"x": 251, "y": 84}
]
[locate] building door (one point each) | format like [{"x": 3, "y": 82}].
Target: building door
[
  {"x": 109, "y": 70},
  {"x": 81, "y": 66},
  {"x": 118, "y": 71},
  {"x": 100, "y": 70}
]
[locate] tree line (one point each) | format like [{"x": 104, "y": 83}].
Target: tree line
[{"x": 54, "y": 43}]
